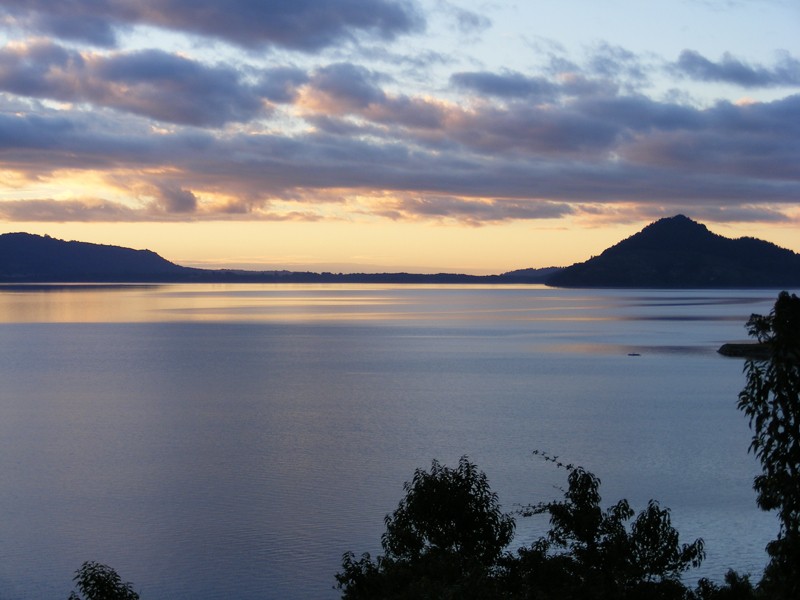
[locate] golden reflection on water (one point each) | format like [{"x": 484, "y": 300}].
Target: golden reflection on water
[
  {"x": 292, "y": 303},
  {"x": 504, "y": 305},
  {"x": 136, "y": 303},
  {"x": 68, "y": 303}
]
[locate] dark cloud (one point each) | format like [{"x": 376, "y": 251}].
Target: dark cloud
[
  {"x": 300, "y": 24},
  {"x": 281, "y": 84},
  {"x": 474, "y": 212},
  {"x": 151, "y": 83},
  {"x": 77, "y": 26},
  {"x": 304, "y": 25},
  {"x": 528, "y": 130},
  {"x": 46, "y": 210},
  {"x": 729, "y": 69},
  {"x": 39, "y": 69},
  {"x": 506, "y": 85},
  {"x": 170, "y": 88},
  {"x": 344, "y": 89},
  {"x": 40, "y": 144},
  {"x": 519, "y": 127},
  {"x": 633, "y": 114},
  {"x": 608, "y": 67},
  {"x": 411, "y": 113},
  {"x": 347, "y": 87},
  {"x": 749, "y": 141},
  {"x": 182, "y": 139},
  {"x": 177, "y": 200},
  {"x": 443, "y": 159},
  {"x": 20, "y": 133},
  {"x": 104, "y": 211}
]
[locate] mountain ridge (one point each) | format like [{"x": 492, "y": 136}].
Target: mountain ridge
[
  {"x": 677, "y": 252},
  {"x": 31, "y": 258},
  {"x": 673, "y": 252}
]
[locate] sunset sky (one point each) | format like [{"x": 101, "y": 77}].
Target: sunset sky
[{"x": 369, "y": 135}]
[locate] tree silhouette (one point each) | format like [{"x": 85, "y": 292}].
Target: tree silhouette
[
  {"x": 448, "y": 539},
  {"x": 771, "y": 399},
  {"x": 100, "y": 582},
  {"x": 444, "y": 540},
  {"x": 593, "y": 553}
]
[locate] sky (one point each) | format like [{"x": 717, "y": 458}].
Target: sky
[{"x": 472, "y": 136}]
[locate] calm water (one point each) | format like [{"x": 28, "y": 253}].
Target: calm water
[{"x": 233, "y": 441}]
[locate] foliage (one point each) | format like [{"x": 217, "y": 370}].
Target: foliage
[
  {"x": 450, "y": 511},
  {"x": 737, "y": 587},
  {"x": 444, "y": 540},
  {"x": 771, "y": 400},
  {"x": 100, "y": 582},
  {"x": 591, "y": 552},
  {"x": 447, "y": 539}
]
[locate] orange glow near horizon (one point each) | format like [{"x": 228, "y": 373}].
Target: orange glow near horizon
[
  {"x": 352, "y": 247},
  {"x": 358, "y": 241}
]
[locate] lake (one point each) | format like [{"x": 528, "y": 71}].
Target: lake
[{"x": 232, "y": 441}]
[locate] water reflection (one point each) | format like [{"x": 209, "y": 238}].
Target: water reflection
[
  {"x": 300, "y": 303},
  {"x": 72, "y": 303},
  {"x": 215, "y": 441}
]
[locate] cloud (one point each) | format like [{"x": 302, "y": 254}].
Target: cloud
[
  {"x": 281, "y": 84},
  {"x": 177, "y": 200},
  {"x": 729, "y": 69},
  {"x": 150, "y": 83},
  {"x": 468, "y": 161},
  {"x": 607, "y": 69},
  {"x": 305, "y": 25},
  {"x": 757, "y": 140},
  {"x": 713, "y": 213},
  {"x": 47, "y": 141},
  {"x": 522, "y": 129},
  {"x": 742, "y": 214},
  {"x": 170, "y": 88},
  {"x": 507, "y": 84},
  {"x": 92, "y": 210},
  {"x": 21, "y": 133},
  {"x": 344, "y": 87},
  {"x": 46, "y": 210},
  {"x": 65, "y": 21},
  {"x": 618, "y": 64},
  {"x": 472, "y": 212},
  {"x": 467, "y": 21}
]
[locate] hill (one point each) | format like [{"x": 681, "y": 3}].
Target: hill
[
  {"x": 28, "y": 258},
  {"x": 678, "y": 252},
  {"x": 670, "y": 253},
  {"x": 25, "y": 257}
]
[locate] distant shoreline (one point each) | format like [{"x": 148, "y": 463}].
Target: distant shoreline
[
  {"x": 671, "y": 253},
  {"x": 283, "y": 278},
  {"x": 354, "y": 279}
]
